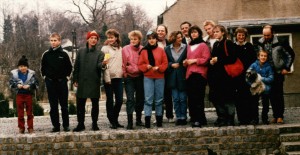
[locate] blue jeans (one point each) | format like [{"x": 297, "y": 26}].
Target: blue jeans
[
  {"x": 154, "y": 91},
  {"x": 180, "y": 103},
  {"x": 134, "y": 88},
  {"x": 112, "y": 109}
]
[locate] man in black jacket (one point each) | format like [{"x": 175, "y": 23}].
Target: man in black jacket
[
  {"x": 56, "y": 66},
  {"x": 281, "y": 57}
]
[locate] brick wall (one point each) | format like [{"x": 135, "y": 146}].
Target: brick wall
[{"x": 225, "y": 140}]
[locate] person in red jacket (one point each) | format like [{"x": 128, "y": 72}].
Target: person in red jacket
[{"x": 153, "y": 62}]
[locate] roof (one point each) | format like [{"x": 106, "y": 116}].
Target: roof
[{"x": 260, "y": 22}]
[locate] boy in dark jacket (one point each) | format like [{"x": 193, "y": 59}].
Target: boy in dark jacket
[
  {"x": 56, "y": 66},
  {"x": 23, "y": 81}
]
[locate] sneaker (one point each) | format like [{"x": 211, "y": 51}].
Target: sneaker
[
  {"x": 273, "y": 121},
  {"x": 21, "y": 131},
  {"x": 171, "y": 120},
  {"x": 30, "y": 131},
  {"x": 280, "y": 120}
]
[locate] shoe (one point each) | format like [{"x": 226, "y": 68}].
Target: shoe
[
  {"x": 178, "y": 122},
  {"x": 55, "y": 129},
  {"x": 95, "y": 127},
  {"x": 196, "y": 125},
  {"x": 119, "y": 125},
  {"x": 183, "y": 122},
  {"x": 66, "y": 129},
  {"x": 21, "y": 131},
  {"x": 79, "y": 128},
  {"x": 280, "y": 120},
  {"x": 273, "y": 121},
  {"x": 139, "y": 123},
  {"x": 147, "y": 121},
  {"x": 30, "y": 131},
  {"x": 171, "y": 120}
]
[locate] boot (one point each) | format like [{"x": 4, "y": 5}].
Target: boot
[
  {"x": 147, "y": 121},
  {"x": 139, "y": 119},
  {"x": 159, "y": 121},
  {"x": 130, "y": 122}
]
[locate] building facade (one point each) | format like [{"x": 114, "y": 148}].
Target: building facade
[{"x": 283, "y": 15}]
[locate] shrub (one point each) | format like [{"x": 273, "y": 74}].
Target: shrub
[
  {"x": 38, "y": 110},
  {"x": 72, "y": 108},
  {"x": 4, "y": 106}
]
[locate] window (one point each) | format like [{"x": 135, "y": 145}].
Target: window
[{"x": 282, "y": 36}]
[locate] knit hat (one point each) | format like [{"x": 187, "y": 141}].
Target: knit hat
[
  {"x": 23, "y": 61},
  {"x": 92, "y": 33}
]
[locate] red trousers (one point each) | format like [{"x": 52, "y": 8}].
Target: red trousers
[{"x": 24, "y": 101}]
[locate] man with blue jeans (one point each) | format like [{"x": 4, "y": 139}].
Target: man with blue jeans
[{"x": 56, "y": 66}]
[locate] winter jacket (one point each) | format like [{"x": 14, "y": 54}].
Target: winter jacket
[
  {"x": 87, "y": 72},
  {"x": 176, "y": 77},
  {"x": 160, "y": 60},
  {"x": 266, "y": 73},
  {"x": 222, "y": 86},
  {"x": 15, "y": 80},
  {"x": 130, "y": 56},
  {"x": 202, "y": 54},
  {"x": 280, "y": 53},
  {"x": 114, "y": 67},
  {"x": 56, "y": 64}
]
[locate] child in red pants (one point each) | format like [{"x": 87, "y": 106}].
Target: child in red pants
[{"x": 23, "y": 82}]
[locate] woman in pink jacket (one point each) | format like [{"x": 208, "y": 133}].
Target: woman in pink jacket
[
  {"x": 198, "y": 55},
  {"x": 133, "y": 78}
]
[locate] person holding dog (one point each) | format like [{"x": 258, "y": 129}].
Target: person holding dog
[
  {"x": 281, "y": 57},
  {"x": 264, "y": 69}
]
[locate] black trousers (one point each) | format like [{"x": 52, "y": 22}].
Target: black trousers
[
  {"x": 80, "y": 104},
  {"x": 276, "y": 96},
  {"x": 196, "y": 93},
  {"x": 58, "y": 94}
]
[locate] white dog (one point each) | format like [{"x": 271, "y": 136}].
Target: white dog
[{"x": 257, "y": 86}]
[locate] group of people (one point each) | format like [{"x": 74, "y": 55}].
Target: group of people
[{"x": 162, "y": 74}]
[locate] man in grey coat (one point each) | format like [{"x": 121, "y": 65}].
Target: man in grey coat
[{"x": 86, "y": 76}]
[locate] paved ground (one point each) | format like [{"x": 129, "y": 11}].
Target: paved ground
[{"x": 42, "y": 124}]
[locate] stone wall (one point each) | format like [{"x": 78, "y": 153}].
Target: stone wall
[{"x": 225, "y": 140}]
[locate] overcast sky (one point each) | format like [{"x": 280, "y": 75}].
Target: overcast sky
[{"x": 152, "y": 7}]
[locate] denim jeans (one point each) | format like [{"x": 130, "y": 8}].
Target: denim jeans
[
  {"x": 58, "y": 93},
  {"x": 180, "y": 103},
  {"x": 154, "y": 92},
  {"x": 112, "y": 109},
  {"x": 134, "y": 88}
]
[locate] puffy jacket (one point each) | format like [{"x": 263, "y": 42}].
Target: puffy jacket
[{"x": 281, "y": 55}]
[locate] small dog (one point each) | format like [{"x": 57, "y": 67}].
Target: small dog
[{"x": 257, "y": 86}]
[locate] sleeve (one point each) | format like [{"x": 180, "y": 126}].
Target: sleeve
[
  {"x": 12, "y": 82},
  {"x": 204, "y": 55},
  {"x": 34, "y": 84},
  {"x": 68, "y": 64},
  {"x": 124, "y": 61},
  {"x": 143, "y": 63},
  {"x": 270, "y": 76},
  {"x": 164, "y": 63},
  {"x": 290, "y": 55}
]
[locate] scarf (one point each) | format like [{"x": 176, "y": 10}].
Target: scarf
[
  {"x": 196, "y": 41},
  {"x": 149, "y": 49}
]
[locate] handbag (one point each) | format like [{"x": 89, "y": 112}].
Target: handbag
[{"x": 235, "y": 69}]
